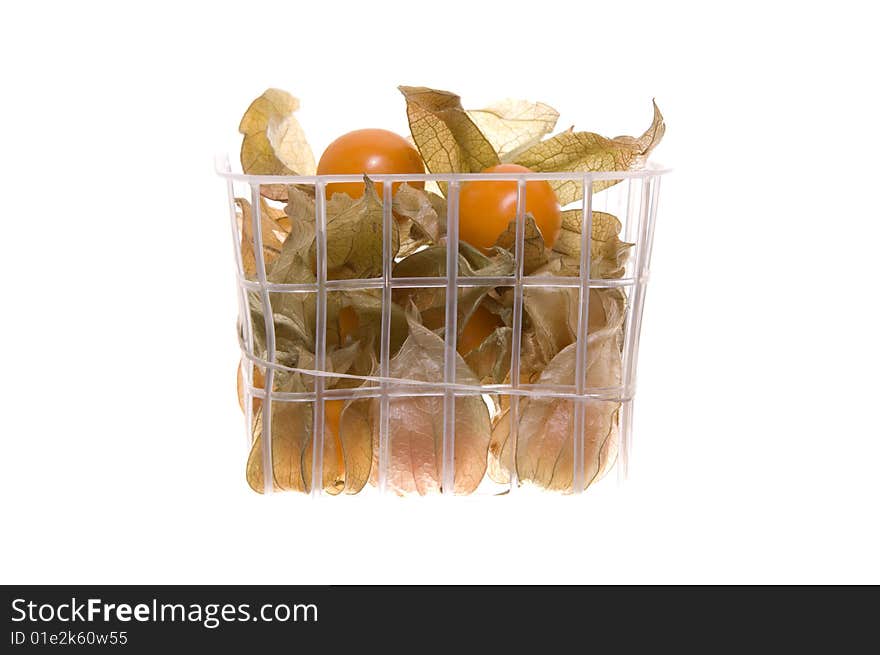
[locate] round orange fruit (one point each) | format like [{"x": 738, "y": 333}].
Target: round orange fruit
[
  {"x": 486, "y": 208},
  {"x": 367, "y": 152}
]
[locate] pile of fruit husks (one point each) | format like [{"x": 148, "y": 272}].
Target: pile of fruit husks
[{"x": 508, "y": 137}]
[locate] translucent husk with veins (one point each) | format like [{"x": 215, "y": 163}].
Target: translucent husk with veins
[
  {"x": 416, "y": 423},
  {"x": 544, "y": 440}
]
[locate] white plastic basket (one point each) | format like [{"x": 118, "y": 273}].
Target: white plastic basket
[{"x": 632, "y": 199}]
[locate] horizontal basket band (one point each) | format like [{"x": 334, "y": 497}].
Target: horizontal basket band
[
  {"x": 441, "y": 282},
  {"x": 406, "y": 387}
]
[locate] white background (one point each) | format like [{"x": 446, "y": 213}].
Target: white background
[{"x": 756, "y": 426}]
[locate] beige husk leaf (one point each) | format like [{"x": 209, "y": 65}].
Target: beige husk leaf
[
  {"x": 534, "y": 250},
  {"x": 354, "y": 235},
  {"x": 346, "y": 453},
  {"x": 274, "y": 230},
  {"x": 608, "y": 254},
  {"x": 421, "y": 218},
  {"x": 357, "y": 427},
  {"x": 490, "y": 361},
  {"x": 366, "y": 308},
  {"x": 544, "y": 450},
  {"x": 274, "y": 142},
  {"x": 416, "y": 423},
  {"x": 544, "y": 453},
  {"x": 587, "y": 151},
  {"x": 347, "y": 447},
  {"x": 444, "y": 134},
  {"x": 431, "y": 262},
  {"x": 291, "y": 428},
  {"x": 425, "y": 210},
  {"x": 512, "y": 126}
]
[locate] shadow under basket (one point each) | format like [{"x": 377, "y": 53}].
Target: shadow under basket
[{"x": 357, "y": 324}]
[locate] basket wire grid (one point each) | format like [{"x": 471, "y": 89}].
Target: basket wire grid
[{"x": 637, "y": 206}]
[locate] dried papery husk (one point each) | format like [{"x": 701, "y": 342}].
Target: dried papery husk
[
  {"x": 512, "y": 126},
  {"x": 431, "y": 262},
  {"x": 291, "y": 424},
  {"x": 490, "y": 361},
  {"x": 422, "y": 213},
  {"x": 586, "y": 151},
  {"x": 444, "y": 134},
  {"x": 347, "y": 452},
  {"x": 608, "y": 254},
  {"x": 347, "y": 443},
  {"x": 544, "y": 447},
  {"x": 416, "y": 423},
  {"x": 274, "y": 231},
  {"x": 534, "y": 250},
  {"x": 274, "y": 142}
]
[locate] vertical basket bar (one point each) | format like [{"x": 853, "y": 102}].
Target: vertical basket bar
[
  {"x": 652, "y": 221},
  {"x": 447, "y": 475},
  {"x": 384, "y": 457},
  {"x": 641, "y": 282},
  {"x": 247, "y": 343},
  {"x": 633, "y": 322},
  {"x": 631, "y": 200},
  {"x": 516, "y": 338},
  {"x": 269, "y": 321},
  {"x": 244, "y": 314},
  {"x": 578, "y": 480},
  {"x": 320, "y": 339},
  {"x": 625, "y": 413},
  {"x": 625, "y": 433}
]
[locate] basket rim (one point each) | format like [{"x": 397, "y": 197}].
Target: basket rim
[{"x": 223, "y": 169}]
